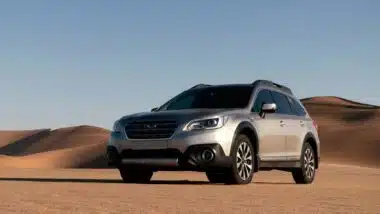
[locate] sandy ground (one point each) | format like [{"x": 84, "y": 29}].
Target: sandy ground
[{"x": 337, "y": 189}]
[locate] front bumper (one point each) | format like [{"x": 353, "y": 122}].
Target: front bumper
[
  {"x": 201, "y": 157},
  {"x": 183, "y": 151}
]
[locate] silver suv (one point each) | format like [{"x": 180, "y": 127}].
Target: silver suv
[{"x": 228, "y": 131}]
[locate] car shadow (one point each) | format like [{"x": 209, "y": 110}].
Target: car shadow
[
  {"x": 273, "y": 183},
  {"x": 180, "y": 182},
  {"x": 153, "y": 182},
  {"x": 91, "y": 180},
  {"x": 63, "y": 180}
]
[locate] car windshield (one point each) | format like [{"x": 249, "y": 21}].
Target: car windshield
[{"x": 213, "y": 97}]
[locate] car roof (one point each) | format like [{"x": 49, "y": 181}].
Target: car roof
[{"x": 257, "y": 83}]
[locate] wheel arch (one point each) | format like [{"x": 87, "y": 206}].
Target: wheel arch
[
  {"x": 249, "y": 130},
  {"x": 309, "y": 137}
]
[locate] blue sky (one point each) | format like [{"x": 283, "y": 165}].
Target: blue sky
[{"x": 66, "y": 63}]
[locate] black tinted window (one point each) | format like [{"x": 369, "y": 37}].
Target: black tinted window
[
  {"x": 283, "y": 106},
  {"x": 183, "y": 102},
  {"x": 296, "y": 107},
  {"x": 214, "y": 97},
  {"x": 262, "y": 97}
]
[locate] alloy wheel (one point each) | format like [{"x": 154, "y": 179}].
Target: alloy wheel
[
  {"x": 309, "y": 163},
  {"x": 244, "y": 160}
]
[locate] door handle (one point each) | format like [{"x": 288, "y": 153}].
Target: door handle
[{"x": 282, "y": 123}]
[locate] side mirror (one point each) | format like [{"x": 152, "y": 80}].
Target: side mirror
[
  {"x": 269, "y": 108},
  {"x": 154, "y": 109}
]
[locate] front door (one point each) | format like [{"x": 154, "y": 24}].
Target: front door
[
  {"x": 289, "y": 123},
  {"x": 272, "y": 138},
  {"x": 271, "y": 132}
]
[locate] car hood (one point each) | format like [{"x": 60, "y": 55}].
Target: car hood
[{"x": 180, "y": 116}]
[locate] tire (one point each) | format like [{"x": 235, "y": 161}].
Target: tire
[
  {"x": 135, "y": 175},
  {"x": 306, "y": 173},
  {"x": 242, "y": 169},
  {"x": 216, "y": 177}
]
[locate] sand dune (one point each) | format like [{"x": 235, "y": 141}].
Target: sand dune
[
  {"x": 338, "y": 101},
  {"x": 72, "y": 147},
  {"x": 7, "y": 137},
  {"x": 348, "y": 130},
  {"x": 86, "y": 156},
  {"x": 63, "y": 138}
]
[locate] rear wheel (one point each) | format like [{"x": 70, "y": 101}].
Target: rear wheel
[
  {"x": 243, "y": 156},
  {"x": 306, "y": 173},
  {"x": 130, "y": 175}
]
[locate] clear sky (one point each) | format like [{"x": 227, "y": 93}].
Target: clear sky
[{"x": 78, "y": 62}]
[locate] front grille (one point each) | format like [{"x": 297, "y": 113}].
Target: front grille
[{"x": 150, "y": 129}]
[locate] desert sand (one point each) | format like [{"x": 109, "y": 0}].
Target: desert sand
[
  {"x": 337, "y": 189},
  {"x": 53, "y": 171}
]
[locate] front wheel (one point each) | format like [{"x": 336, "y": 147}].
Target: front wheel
[
  {"x": 130, "y": 175},
  {"x": 306, "y": 173},
  {"x": 243, "y": 157}
]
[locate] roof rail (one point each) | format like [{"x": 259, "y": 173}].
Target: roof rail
[
  {"x": 200, "y": 86},
  {"x": 271, "y": 83}
]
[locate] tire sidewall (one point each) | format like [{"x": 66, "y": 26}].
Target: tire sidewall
[
  {"x": 235, "y": 174},
  {"x": 303, "y": 169}
]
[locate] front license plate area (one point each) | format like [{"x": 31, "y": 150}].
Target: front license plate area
[{"x": 147, "y": 145}]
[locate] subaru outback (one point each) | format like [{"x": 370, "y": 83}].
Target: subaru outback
[{"x": 230, "y": 132}]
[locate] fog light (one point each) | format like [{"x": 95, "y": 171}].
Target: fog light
[{"x": 208, "y": 155}]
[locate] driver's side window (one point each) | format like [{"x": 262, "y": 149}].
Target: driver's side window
[{"x": 264, "y": 96}]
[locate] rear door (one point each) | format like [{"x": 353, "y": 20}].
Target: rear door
[
  {"x": 271, "y": 134},
  {"x": 297, "y": 130}
]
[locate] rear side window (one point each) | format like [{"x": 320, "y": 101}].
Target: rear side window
[
  {"x": 296, "y": 107},
  {"x": 283, "y": 106},
  {"x": 264, "y": 96}
]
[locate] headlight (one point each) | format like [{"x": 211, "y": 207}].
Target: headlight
[
  {"x": 209, "y": 123},
  {"x": 116, "y": 133}
]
